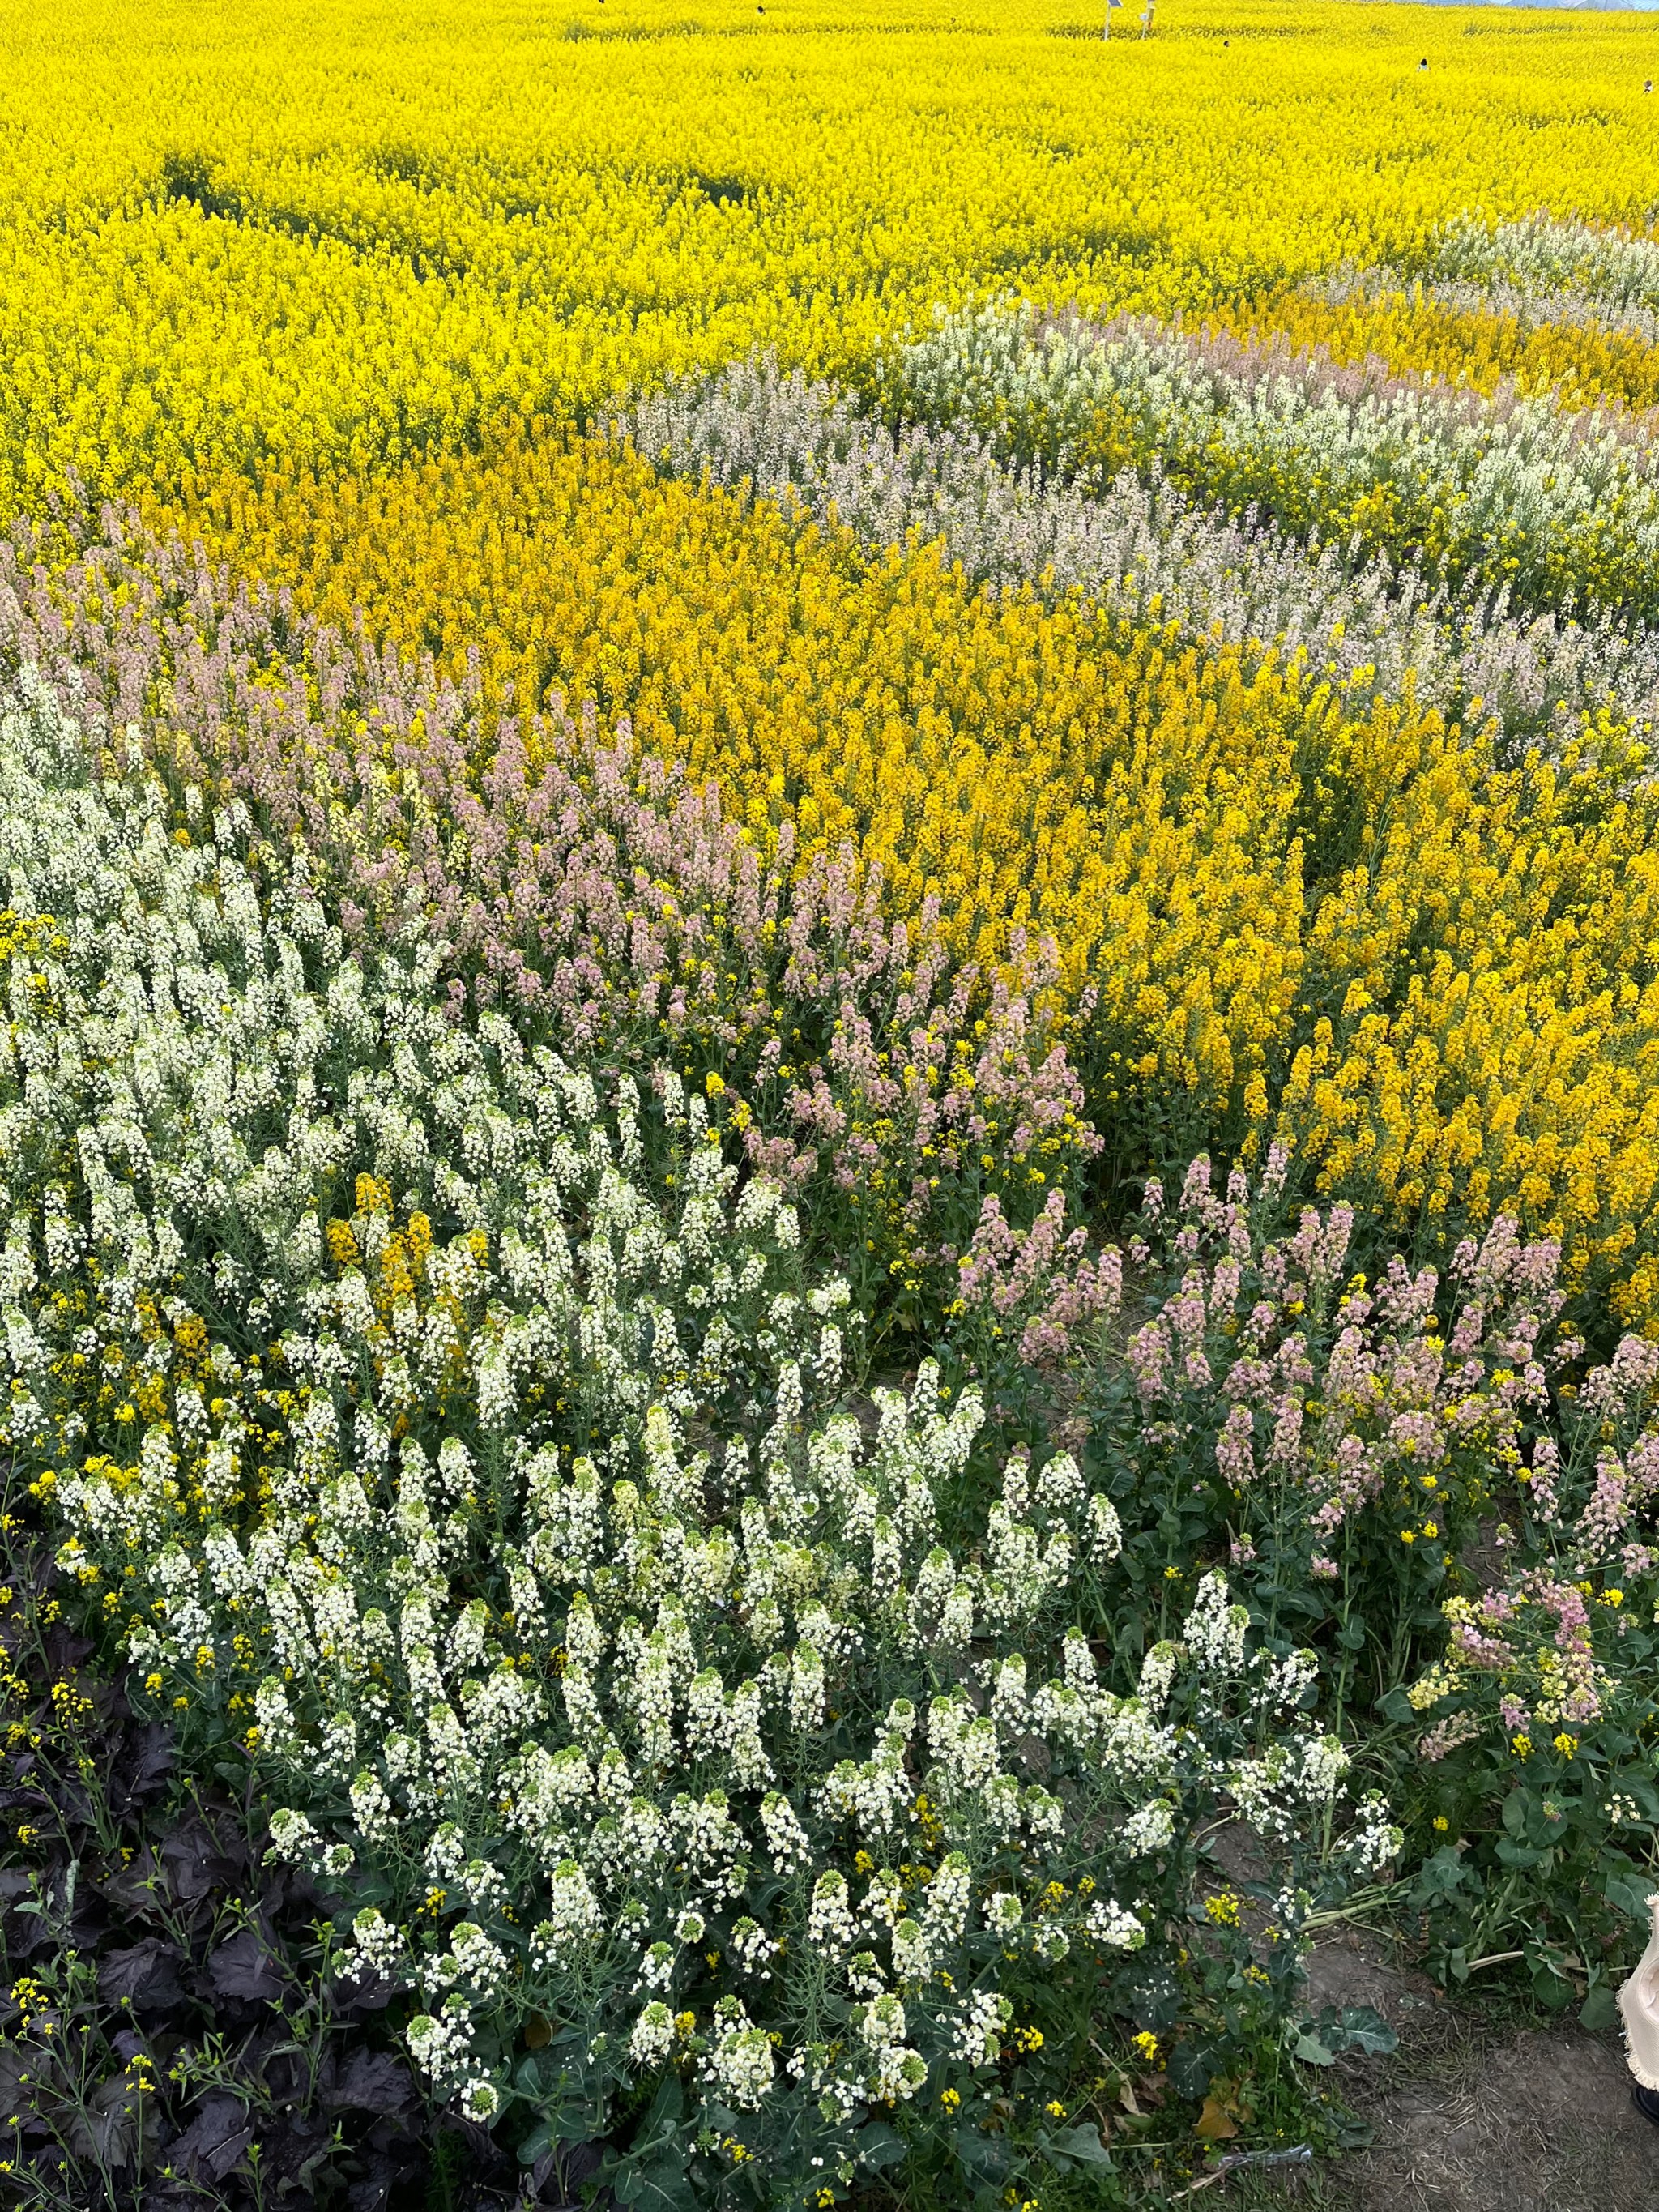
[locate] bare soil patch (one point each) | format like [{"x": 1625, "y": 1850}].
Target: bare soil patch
[{"x": 1479, "y": 2109}]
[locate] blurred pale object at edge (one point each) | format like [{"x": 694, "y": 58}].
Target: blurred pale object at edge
[{"x": 1639, "y": 2001}]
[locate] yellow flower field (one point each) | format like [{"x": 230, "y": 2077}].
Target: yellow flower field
[
  {"x": 341, "y": 239},
  {"x": 830, "y": 1084}
]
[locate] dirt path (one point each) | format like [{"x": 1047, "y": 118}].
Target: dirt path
[{"x": 1472, "y": 2113}]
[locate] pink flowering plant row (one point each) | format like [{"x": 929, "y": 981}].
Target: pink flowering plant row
[
  {"x": 1542, "y": 1710},
  {"x": 1418, "y": 1475}
]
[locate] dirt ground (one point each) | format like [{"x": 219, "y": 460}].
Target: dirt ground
[{"x": 1472, "y": 2114}]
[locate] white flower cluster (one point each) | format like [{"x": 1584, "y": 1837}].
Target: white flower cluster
[
  {"x": 376, "y": 1947},
  {"x": 443, "y": 2047}
]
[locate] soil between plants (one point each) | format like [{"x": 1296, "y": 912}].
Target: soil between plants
[{"x": 1479, "y": 2109}]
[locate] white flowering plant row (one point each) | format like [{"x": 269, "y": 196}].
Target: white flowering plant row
[
  {"x": 698, "y": 1750},
  {"x": 1540, "y": 257},
  {"x": 1555, "y": 510}
]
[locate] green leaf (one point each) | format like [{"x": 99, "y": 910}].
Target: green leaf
[
  {"x": 879, "y": 2145},
  {"x": 1519, "y": 1855},
  {"x": 660, "y": 2183},
  {"x": 539, "y": 2139},
  {"x": 1189, "y": 2070},
  {"x": 1627, "y": 1893},
  {"x": 666, "y": 2107},
  {"x": 1298, "y": 1602},
  {"x": 1365, "y": 2030},
  {"x": 1552, "y": 1989},
  {"x": 1077, "y": 2146},
  {"x": 1322, "y": 2042},
  {"x": 984, "y": 2157},
  {"x": 1599, "y": 2012},
  {"x": 1442, "y": 1875},
  {"x": 654, "y": 2174}
]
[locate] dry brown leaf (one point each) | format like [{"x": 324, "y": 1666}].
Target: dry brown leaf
[{"x": 1212, "y": 2124}]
